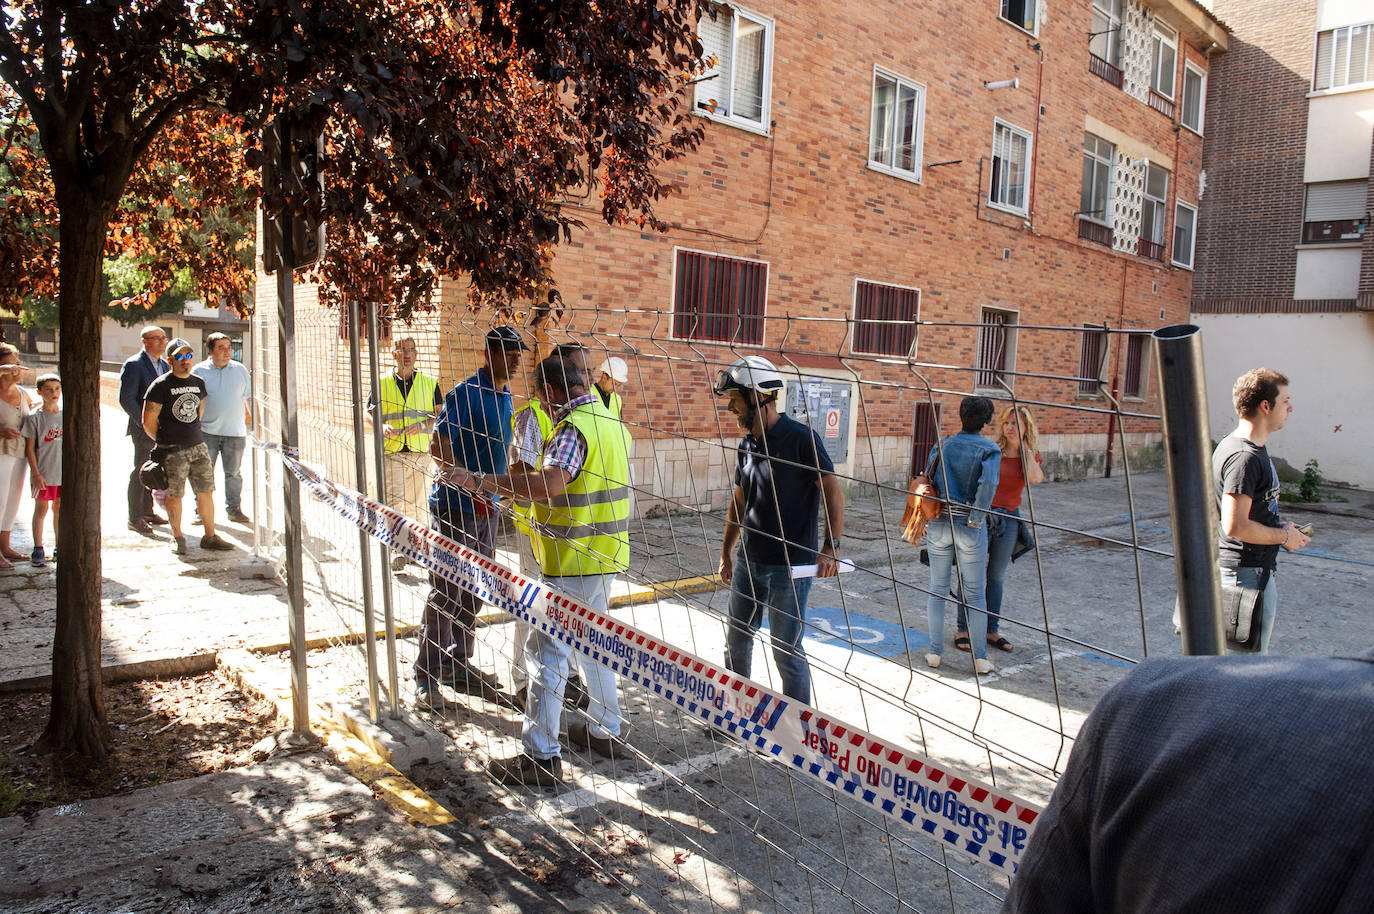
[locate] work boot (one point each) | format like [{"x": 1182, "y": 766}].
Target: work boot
[
  {"x": 579, "y": 734},
  {"x": 466, "y": 678},
  {"x": 527, "y": 771}
]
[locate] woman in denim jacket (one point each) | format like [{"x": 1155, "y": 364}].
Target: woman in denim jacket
[{"x": 964, "y": 468}]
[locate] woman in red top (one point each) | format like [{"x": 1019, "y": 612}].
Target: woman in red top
[{"x": 1016, "y": 436}]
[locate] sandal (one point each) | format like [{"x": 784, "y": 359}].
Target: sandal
[
  {"x": 962, "y": 643},
  {"x": 1002, "y": 644}
]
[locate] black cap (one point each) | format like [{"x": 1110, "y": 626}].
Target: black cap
[{"x": 505, "y": 338}]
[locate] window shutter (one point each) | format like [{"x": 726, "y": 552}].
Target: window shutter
[
  {"x": 1325, "y": 47},
  {"x": 1336, "y": 200},
  {"x": 751, "y": 40}
]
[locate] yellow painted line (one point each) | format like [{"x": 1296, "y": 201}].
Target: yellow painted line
[
  {"x": 651, "y": 592},
  {"x": 356, "y": 756}
]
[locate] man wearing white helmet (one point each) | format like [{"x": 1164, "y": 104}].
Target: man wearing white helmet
[
  {"x": 782, "y": 474},
  {"x": 611, "y": 376}
]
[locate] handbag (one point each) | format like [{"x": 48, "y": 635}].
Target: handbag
[
  {"x": 1241, "y": 612},
  {"x": 1025, "y": 540},
  {"x": 922, "y": 506},
  {"x": 152, "y": 473}
]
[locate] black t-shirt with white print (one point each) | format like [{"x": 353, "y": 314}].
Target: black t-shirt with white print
[
  {"x": 1241, "y": 467},
  {"x": 178, "y": 425}
]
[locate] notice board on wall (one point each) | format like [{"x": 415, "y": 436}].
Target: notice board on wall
[{"x": 826, "y": 405}]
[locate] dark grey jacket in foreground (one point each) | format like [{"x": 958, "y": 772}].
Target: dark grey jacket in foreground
[{"x": 1215, "y": 785}]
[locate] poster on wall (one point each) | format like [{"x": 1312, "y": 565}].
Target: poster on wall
[{"x": 823, "y": 404}]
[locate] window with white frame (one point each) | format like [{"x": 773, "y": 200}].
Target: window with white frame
[
  {"x": 1343, "y": 56},
  {"x": 1163, "y": 59},
  {"x": 1092, "y": 360},
  {"x": 736, "y": 89},
  {"x": 895, "y": 133},
  {"x": 1095, "y": 198},
  {"x": 719, "y": 298},
  {"x": 1153, "y": 210},
  {"x": 1020, "y": 13},
  {"x": 884, "y": 318},
  {"x": 1136, "y": 376},
  {"x": 1185, "y": 234},
  {"x": 1011, "y": 164},
  {"x": 996, "y": 349},
  {"x": 1104, "y": 38},
  {"x": 1194, "y": 97}
]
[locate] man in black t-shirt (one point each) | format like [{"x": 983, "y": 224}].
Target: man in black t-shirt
[
  {"x": 781, "y": 473},
  {"x": 1247, "y": 492},
  {"x": 172, "y": 409}
]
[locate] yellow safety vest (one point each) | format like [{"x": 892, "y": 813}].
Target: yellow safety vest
[
  {"x": 520, "y": 512},
  {"x": 616, "y": 406},
  {"x": 585, "y": 529},
  {"x": 398, "y": 411}
]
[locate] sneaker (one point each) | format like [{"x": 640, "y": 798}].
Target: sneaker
[
  {"x": 527, "y": 771},
  {"x": 155, "y": 520},
  {"x": 214, "y": 542},
  {"x": 37, "y": 557},
  {"x": 579, "y": 734},
  {"x": 983, "y": 667},
  {"x": 466, "y": 678},
  {"x": 429, "y": 698},
  {"x": 179, "y": 545},
  {"x": 141, "y": 526},
  {"x": 238, "y": 517},
  {"x": 933, "y": 661}
]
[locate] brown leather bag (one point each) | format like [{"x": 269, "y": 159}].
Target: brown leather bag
[{"x": 922, "y": 506}]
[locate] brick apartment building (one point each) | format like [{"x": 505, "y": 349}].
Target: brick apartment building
[
  {"x": 992, "y": 169},
  {"x": 1285, "y": 263}
]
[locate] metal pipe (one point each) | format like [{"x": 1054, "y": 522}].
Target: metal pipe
[
  {"x": 290, "y": 440},
  {"x": 355, "y": 371},
  {"x": 1192, "y": 503},
  {"x": 393, "y": 676}
]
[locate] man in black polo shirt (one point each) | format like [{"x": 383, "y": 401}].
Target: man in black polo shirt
[
  {"x": 172, "y": 409},
  {"x": 781, "y": 473}
]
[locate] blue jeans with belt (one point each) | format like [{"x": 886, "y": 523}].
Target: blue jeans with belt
[{"x": 752, "y": 587}]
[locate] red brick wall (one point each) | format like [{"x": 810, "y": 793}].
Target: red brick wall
[
  {"x": 1257, "y": 132},
  {"x": 804, "y": 200}
]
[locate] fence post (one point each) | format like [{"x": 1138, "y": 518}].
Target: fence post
[
  {"x": 388, "y": 610},
  {"x": 364, "y": 540},
  {"x": 1192, "y": 503}
]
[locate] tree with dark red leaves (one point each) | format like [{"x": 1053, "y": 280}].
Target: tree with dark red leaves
[{"x": 451, "y": 132}]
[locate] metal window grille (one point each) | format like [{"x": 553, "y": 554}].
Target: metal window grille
[
  {"x": 1134, "y": 383},
  {"x": 885, "y": 319},
  {"x": 719, "y": 298},
  {"x": 995, "y": 340},
  {"x": 1091, "y": 360},
  {"x": 925, "y": 432}
]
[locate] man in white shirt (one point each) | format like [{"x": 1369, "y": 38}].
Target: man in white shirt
[{"x": 224, "y": 427}]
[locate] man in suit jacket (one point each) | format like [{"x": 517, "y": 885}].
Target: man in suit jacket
[{"x": 138, "y": 372}]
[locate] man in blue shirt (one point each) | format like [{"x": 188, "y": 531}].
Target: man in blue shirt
[
  {"x": 224, "y": 427},
  {"x": 473, "y": 432}
]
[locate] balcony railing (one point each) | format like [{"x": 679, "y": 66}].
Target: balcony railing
[
  {"x": 1094, "y": 232},
  {"x": 1161, "y": 104},
  {"x": 1150, "y": 249},
  {"x": 1099, "y": 67}
]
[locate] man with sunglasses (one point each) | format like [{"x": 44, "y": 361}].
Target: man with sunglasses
[{"x": 172, "y": 410}]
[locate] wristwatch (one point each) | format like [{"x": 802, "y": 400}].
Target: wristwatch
[{"x": 833, "y": 542}]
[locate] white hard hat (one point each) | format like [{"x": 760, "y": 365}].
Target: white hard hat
[
  {"x": 752, "y": 372},
  {"x": 615, "y": 367}
]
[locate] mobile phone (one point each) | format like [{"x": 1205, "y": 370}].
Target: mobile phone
[{"x": 1306, "y": 529}]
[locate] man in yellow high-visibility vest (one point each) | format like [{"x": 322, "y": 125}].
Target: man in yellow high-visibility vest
[
  {"x": 410, "y": 399},
  {"x": 580, "y": 522},
  {"x": 531, "y": 429}
]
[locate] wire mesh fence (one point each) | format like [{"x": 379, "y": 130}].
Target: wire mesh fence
[{"x": 687, "y": 816}]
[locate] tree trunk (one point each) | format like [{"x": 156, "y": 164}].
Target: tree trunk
[{"x": 77, "y": 723}]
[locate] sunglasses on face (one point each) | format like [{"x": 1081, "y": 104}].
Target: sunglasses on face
[{"x": 181, "y": 358}]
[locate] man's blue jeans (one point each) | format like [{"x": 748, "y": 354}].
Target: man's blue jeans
[
  {"x": 1269, "y": 602},
  {"x": 1003, "y": 527},
  {"x": 752, "y": 587},
  {"x": 229, "y": 448},
  {"x": 945, "y": 537}
]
